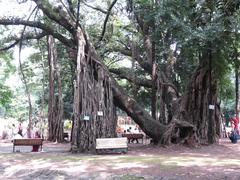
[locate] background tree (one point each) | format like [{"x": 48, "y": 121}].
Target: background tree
[{"x": 55, "y": 100}]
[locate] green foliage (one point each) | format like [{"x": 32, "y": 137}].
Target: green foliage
[
  {"x": 181, "y": 31},
  {"x": 5, "y": 95},
  {"x": 67, "y": 125},
  {"x": 6, "y": 66},
  {"x": 226, "y": 88},
  {"x": 6, "y": 69}
]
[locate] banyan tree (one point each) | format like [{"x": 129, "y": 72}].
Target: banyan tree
[{"x": 192, "y": 116}]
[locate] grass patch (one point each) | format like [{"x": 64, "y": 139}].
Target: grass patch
[{"x": 128, "y": 177}]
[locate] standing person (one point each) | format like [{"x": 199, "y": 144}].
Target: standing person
[
  {"x": 29, "y": 135},
  {"x": 129, "y": 130},
  {"x": 13, "y": 130},
  {"x": 36, "y": 147},
  {"x": 20, "y": 129},
  {"x": 235, "y": 122},
  {"x": 135, "y": 131}
]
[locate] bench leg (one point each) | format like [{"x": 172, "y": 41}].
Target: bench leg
[{"x": 13, "y": 148}]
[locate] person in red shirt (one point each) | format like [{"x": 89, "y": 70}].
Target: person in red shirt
[{"x": 235, "y": 122}]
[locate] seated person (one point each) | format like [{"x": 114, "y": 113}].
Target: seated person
[
  {"x": 36, "y": 147},
  {"x": 135, "y": 131}
]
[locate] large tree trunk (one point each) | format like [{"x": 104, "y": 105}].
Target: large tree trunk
[
  {"x": 94, "y": 111},
  {"x": 199, "y": 101}
]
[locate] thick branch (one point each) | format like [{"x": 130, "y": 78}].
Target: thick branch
[
  {"x": 147, "y": 67},
  {"x": 70, "y": 5},
  {"x": 106, "y": 20},
  {"x": 47, "y": 29},
  {"x": 25, "y": 37},
  {"x": 56, "y": 14},
  {"x": 149, "y": 125},
  {"x": 143, "y": 63},
  {"x": 131, "y": 77},
  {"x": 96, "y": 8},
  {"x": 71, "y": 14}
]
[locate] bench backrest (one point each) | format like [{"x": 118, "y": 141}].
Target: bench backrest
[
  {"x": 111, "y": 143},
  {"x": 133, "y": 136},
  {"x": 27, "y": 142}
]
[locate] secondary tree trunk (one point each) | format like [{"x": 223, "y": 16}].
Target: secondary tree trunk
[
  {"x": 51, "y": 97},
  {"x": 55, "y": 103},
  {"x": 59, "y": 102}
]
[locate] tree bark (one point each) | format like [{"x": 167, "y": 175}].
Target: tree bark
[{"x": 94, "y": 111}]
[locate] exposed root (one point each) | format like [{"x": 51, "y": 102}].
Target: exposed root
[{"x": 180, "y": 132}]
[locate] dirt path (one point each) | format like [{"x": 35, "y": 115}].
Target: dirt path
[{"x": 141, "y": 162}]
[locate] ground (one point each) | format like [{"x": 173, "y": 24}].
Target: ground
[{"x": 219, "y": 161}]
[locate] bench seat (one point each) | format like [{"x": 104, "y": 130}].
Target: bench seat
[
  {"x": 111, "y": 144},
  {"x": 27, "y": 142}
]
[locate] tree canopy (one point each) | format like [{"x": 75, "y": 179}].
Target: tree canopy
[{"x": 162, "y": 62}]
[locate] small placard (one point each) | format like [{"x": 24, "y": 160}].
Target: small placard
[
  {"x": 100, "y": 113},
  {"x": 211, "y": 107},
  {"x": 86, "y": 118}
]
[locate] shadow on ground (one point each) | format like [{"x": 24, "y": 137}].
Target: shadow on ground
[{"x": 141, "y": 162}]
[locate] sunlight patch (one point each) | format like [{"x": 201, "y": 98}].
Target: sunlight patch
[{"x": 129, "y": 165}]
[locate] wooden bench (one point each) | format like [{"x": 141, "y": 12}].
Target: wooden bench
[
  {"x": 27, "y": 142},
  {"x": 115, "y": 145},
  {"x": 133, "y": 136}
]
